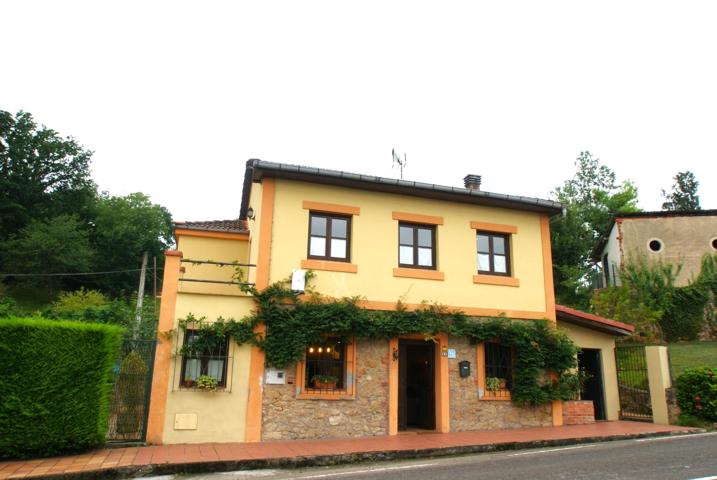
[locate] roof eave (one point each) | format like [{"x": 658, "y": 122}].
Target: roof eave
[{"x": 257, "y": 170}]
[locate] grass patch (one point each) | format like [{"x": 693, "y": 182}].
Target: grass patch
[{"x": 685, "y": 355}]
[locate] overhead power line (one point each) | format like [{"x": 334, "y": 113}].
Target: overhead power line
[{"x": 69, "y": 274}]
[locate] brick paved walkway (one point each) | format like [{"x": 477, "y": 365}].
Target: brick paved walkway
[{"x": 125, "y": 462}]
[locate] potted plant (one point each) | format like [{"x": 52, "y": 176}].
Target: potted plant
[
  {"x": 207, "y": 383},
  {"x": 495, "y": 384},
  {"x": 324, "y": 382},
  {"x": 188, "y": 383}
]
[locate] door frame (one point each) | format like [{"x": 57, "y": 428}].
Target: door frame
[
  {"x": 601, "y": 380},
  {"x": 440, "y": 382}
]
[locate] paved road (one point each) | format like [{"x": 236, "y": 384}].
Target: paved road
[{"x": 684, "y": 457}]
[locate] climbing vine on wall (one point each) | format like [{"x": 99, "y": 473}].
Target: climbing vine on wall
[{"x": 294, "y": 321}]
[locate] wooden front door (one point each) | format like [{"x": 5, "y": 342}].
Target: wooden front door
[{"x": 416, "y": 385}]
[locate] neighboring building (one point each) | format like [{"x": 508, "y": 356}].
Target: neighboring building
[
  {"x": 382, "y": 240},
  {"x": 678, "y": 238}
]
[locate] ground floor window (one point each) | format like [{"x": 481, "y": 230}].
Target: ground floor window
[
  {"x": 325, "y": 367},
  {"x": 204, "y": 357},
  {"x": 496, "y": 377}
]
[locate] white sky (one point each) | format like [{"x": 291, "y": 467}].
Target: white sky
[{"x": 174, "y": 97}]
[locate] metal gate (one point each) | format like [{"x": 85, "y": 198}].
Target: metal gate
[
  {"x": 633, "y": 384},
  {"x": 129, "y": 404}
]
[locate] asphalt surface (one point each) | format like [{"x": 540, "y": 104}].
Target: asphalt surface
[{"x": 676, "y": 457}]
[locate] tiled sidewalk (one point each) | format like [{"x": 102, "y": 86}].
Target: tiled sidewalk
[{"x": 136, "y": 461}]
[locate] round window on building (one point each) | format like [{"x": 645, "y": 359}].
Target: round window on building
[
  {"x": 713, "y": 242},
  {"x": 654, "y": 245}
]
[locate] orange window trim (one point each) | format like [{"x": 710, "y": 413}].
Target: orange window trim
[
  {"x": 416, "y": 218},
  {"x": 348, "y": 393},
  {"x": 331, "y": 208},
  {"x": 329, "y": 266},
  {"x": 494, "y": 227},
  {"x": 418, "y": 273},
  {"x": 481, "y": 380},
  {"x": 496, "y": 280}
]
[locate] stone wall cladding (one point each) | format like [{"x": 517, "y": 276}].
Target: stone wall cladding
[
  {"x": 469, "y": 413},
  {"x": 285, "y": 417},
  {"x": 578, "y": 412}
]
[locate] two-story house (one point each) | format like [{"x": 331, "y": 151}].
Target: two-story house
[
  {"x": 382, "y": 240},
  {"x": 670, "y": 237}
]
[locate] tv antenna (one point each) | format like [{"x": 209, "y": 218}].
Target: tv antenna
[{"x": 397, "y": 160}]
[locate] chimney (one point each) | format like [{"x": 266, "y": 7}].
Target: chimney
[{"x": 472, "y": 182}]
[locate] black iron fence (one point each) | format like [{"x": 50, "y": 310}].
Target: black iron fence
[
  {"x": 129, "y": 404},
  {"x": 633, "y": 384}
]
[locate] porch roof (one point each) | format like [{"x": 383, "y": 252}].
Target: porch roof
[{"x": 593, "y": 322}]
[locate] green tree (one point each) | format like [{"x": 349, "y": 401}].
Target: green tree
[
  {"x": 123, "y": 228},
  {"x": 57, "y": 245},
  {"x": 684, "y": 193},
  {"x": 590, "y": 199},
  {"x": 42, "y": 174}
]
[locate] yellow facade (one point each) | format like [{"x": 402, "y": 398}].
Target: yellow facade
[
  {"x": 277, "y": 244},
  {"x": 374, "y": 250},
  {"x": 194, "y": 416},
  {"x": 586, "y": 338},
  {"x": 214, "y": 249}
]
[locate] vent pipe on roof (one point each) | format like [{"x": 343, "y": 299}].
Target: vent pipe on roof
[{"x": 472, "y": 182}]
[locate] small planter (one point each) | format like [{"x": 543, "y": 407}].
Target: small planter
[{"x": 324, "y": 382}]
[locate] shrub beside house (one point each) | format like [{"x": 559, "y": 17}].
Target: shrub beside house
[{"x": 54, "y": 390}]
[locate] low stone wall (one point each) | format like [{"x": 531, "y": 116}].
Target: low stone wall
[
  {"x": 468, "y": 412},
  {"x": 286, "y": 417},
  {"x": 578, "y": 412},
  {"x": 673, "y": 409}
]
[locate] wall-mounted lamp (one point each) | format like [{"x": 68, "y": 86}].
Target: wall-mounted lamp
[
  {"x": 250, "y": 213},
  {"x": 395, "y": 354}
]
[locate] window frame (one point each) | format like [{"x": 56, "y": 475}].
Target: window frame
[
  {"x": 482, "y": 372},
  {"x": 304, "y": 390},
  {"x": 342, "y": 364},
  {"x": 415, "y": 246},
  {"x": 327, "y": 239},
  {"x": 204, "y": 361},
  {"x": 508, "y": 257}
]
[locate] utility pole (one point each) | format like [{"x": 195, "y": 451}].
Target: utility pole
[
  {"x": 154, "y": 290},
  {"x": 140, "y": 297}
]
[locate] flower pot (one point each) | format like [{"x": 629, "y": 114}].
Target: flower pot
[{"x": 325, "y": 385}]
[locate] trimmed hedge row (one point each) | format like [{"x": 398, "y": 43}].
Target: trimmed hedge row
[
  {"x": 697, "y": 392},
  {"x": 55, "y": 385}
]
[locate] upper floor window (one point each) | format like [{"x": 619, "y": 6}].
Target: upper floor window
[
  {"x": 493, "y": 253},
  {"x": 416, "y": 246},
  {"x": 329, "y": 237}
]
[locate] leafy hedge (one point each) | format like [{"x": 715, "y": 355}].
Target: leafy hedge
[
  {"x": 293, "y": 322},
  {"x": 55, "y": 385},
  {"x": 697, "y": 392}
]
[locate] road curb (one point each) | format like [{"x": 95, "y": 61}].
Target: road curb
[{"x": 136, "y": 471}]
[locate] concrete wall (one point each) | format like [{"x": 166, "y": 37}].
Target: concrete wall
[
  {"x": 374, "y": 250},
  {"x": 586, "y": 338},
  {"x": 614, "y": 255},
  {"x": 220, "y": 416},
  {"x": 215, "y": 249},
  {"x": 685, "y": 241}
]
